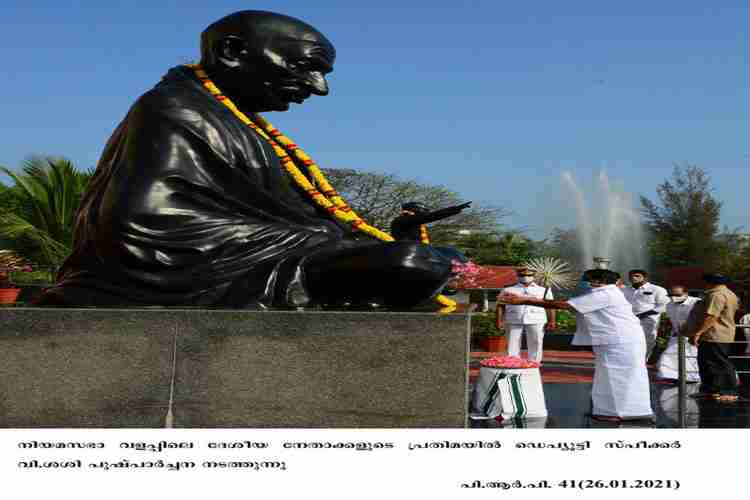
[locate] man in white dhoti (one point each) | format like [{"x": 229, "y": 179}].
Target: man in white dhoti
[
  {"x": 620, "y": 389},
  {"x": 648, "y": 301},
  {"x": 678, "y": 311},
  {"x": 525, "y": 319}
]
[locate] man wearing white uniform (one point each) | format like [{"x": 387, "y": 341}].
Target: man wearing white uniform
[
  {"x": 621, "y": 388},
  {"x": 525, "y": 319},
  {"x": 648, "y": 301},
  {"x": 678, "y": 311}
]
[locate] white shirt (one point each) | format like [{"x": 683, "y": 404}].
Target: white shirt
[
  {"x": 605, "y": 317},
  {"x": 647, "y": 297},
  {"x": 526, "y": 315},
  {"x": 678, "y": 312}
]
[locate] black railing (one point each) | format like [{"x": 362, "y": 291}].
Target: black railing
[{"x": 683, "y": 371}]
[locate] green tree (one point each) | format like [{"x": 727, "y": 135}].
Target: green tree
[
  {"x": 503, "y": 248},
  {"x": 10, "y": 202},
  {"x": 684, "y": 225},
  {"x": 37, "y": 214},
  {"x": 733, "y": 257}
]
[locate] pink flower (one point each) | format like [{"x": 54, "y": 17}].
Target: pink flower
[
  {"x": 468, "y": 275},
  {"x": 513, "y": 362}
]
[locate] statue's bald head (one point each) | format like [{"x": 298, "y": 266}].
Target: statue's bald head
[{"x": 266, "y": 59}]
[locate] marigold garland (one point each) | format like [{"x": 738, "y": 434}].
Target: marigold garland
[
  {"x": 424, "y": 236},
  {"x": 324, "y": 194}
]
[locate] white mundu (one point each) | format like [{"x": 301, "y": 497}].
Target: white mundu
[
  {"x": 526, "y": 319},
  {"x": 621, "y": 387},
  {"x": 648, "y": 297},
  {"x": 668, "y": 365}
]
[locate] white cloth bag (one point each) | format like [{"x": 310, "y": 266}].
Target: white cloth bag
[{"x": 509, "y": 393}]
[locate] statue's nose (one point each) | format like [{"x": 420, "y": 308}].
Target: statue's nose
[{"x": 317, "y": 82}]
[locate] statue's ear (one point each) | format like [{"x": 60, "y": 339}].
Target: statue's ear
[{"x": 232, "y": 50}]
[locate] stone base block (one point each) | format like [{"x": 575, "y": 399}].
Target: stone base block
[{"x": 225, "y": 368}]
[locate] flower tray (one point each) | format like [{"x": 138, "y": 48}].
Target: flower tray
[{"x": 509, "y": 362}]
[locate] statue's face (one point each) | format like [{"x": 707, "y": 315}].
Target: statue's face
[
  {"x": 264, "y": 61},
  {"x": 293, "y": 70},
  {"x": 267, "y": 73}
]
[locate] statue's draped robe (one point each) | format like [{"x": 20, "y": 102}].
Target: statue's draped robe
[{"x": 189, "y": 206}]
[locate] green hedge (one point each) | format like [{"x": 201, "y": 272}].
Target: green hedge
[
  {"x": 483, "y": 324},
  {"x": 566, "y": 321},
  {"x": 41, "y": 277}
]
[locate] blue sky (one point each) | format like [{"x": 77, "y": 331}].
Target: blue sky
[{"x": 494, "y": 99}]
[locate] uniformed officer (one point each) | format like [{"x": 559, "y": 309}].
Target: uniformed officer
[{"x": 526, "y": 319}]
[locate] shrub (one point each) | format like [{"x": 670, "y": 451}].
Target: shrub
[
  {"x": 566, "y": 321},
  {"x": 483, "y": 325}
]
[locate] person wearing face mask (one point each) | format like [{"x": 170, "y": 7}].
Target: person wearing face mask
[
  {"x": 710, "y": 326},
  {"x": 678, "y": 311},
  {"x": 620, "y": 390},
  {"x": 648, "y": 301},
  {"x": 525, "y": 319}
]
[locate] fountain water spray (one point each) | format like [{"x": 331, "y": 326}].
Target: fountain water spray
[{"x": 609, "y": 226}]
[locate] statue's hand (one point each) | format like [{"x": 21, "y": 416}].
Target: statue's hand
[{"x": 456, "y": 209}]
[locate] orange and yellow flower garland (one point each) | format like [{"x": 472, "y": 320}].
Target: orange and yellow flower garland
[
  {"x": 326, "y": 196},
  {"x": 424, "y": 236}
]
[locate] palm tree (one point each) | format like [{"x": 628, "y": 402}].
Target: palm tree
[
  {"x": 40, "y": 226},
  {"x": 551, "y": 272}
]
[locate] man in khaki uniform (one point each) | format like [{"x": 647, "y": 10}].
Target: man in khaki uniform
[{"x": 711, "y": 327}]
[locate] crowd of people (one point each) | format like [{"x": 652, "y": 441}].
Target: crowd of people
[{"x": 621, "y": 324}]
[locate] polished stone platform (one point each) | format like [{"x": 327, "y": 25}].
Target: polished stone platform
[
  {"x": 569, "y": 405},
  {"x": 230, "y": 368}
]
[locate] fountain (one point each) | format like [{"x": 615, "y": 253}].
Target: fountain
[
  {"x": 607, "y": 223},
  {"x": 601, "y": 263}
]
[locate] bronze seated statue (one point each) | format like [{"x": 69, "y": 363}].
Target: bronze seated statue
[{"x": 198, "y": 201}]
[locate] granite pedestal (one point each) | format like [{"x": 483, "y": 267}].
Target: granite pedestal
[{"x": 227, "y": 368}]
